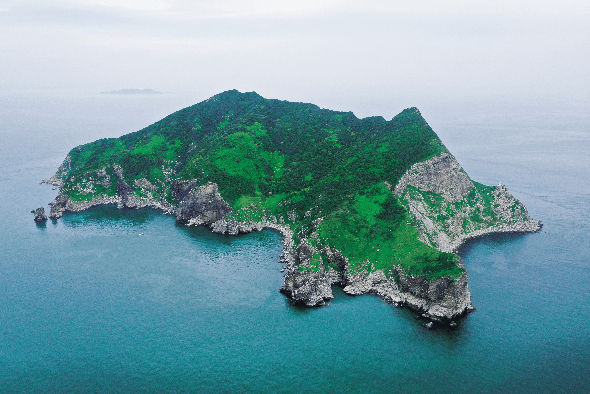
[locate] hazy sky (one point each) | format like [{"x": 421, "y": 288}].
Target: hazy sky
[{"x": 300, "y": 50}]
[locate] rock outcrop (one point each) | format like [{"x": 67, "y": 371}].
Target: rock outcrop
[
  {"x": 441, "y": 175},
  {"x": 140, "y": 195},
  {"x": 307, "y": 284},
  {"x": 448, "y": 209},
  {"x": 202, "y": 205},
  {"x": 442, "y": 299},
  {"x": 63, "y": 204},
  {"x": 57, "y": 178},
  {"x": 40, "y": 215}
]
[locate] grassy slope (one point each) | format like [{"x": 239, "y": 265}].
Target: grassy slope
[{"x": 292, "y": 160}]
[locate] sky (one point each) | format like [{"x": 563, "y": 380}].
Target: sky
[{"x": 304, "y": 50}]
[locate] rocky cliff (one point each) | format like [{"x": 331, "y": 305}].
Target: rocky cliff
[
  {"x": 458, "y": 212},
  {"x": 448, "y": 208}
]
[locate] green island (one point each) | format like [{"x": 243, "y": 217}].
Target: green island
[{"x": 374, "y": 206}]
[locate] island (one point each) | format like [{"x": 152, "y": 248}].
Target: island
[
  {"x": 370, "y": 205},
  {"x": 132, "y": 91}
]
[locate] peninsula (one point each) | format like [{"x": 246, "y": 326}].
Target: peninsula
[{"x": 371, "y": 205}]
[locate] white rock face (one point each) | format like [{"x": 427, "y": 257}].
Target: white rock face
[
  {"x": 441, "y": 175},
  {"x": 447, "y": 209}
]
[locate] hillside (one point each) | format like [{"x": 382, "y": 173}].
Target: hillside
[{"x": 373, "y": 205}]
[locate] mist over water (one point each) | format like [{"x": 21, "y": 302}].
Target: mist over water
[{"x": 130, "y": 301}]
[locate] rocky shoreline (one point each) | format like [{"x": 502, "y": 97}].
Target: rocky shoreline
[{"x": 441, "y": 300}]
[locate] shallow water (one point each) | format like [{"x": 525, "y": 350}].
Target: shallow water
[{"x": 130, "y": 301}]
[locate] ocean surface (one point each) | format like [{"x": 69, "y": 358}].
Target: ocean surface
[{"x": 124, "y": 301}]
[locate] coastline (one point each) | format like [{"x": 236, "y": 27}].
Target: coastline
[{"x": 442, "y": 300}]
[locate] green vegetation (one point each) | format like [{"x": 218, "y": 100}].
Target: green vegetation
[
  {"x": 373, "y": 231},
  {"x": 476, "y": 208},
  {"x": 291, "y": 160}
]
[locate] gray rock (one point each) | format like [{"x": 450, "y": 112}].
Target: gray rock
[
  {"x": 145, "y": 185},
  {"x": 124, "y": 191},
  {"x": 306, "y": 284},
  {"x": 40, "y": 216},
  {"x": 442, "y": 175},
  {"x": 181, "y": 188},
  {"x": 446, "y": 225},
  {"x": 58, "y": 207},
  {"x": 202, "y": 205},
  {"x": 441, "y": 299}
]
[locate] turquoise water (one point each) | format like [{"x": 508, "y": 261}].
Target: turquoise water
[{"x": 129, "y": 301}]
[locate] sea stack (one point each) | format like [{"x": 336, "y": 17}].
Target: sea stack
[{"x": 40, "y": 216}]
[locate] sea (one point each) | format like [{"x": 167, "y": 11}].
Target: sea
[{"x": 129, "y": 301}]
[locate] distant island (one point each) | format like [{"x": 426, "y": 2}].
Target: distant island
[
  {"x": 132, "y": 91},
  {"x": 373, "y": 206}
]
